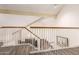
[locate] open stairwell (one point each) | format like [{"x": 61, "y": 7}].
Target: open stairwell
[
  {"x": 13, "y": 47},
  {"x": 23, "y": 49}
]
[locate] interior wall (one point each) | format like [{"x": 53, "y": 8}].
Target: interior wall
[
  {"x": 16, "y": 20},
  {"x": 46, "y": 22},
  {"x": 69, "y": 17}
]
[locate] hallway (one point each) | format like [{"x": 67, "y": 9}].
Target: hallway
[{"x": 39, "y": 29}]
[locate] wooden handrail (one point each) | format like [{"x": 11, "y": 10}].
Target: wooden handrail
[
  {"x": 12, "y": 27},
  {"x": 57, "y": 27}
]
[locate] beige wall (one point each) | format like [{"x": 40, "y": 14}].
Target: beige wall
[
  {"x": 16, "y": 20},
  {"x": 69, "y": 17}
]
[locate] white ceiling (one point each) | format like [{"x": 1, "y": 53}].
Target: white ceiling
[{"x": 52, "y": 9}]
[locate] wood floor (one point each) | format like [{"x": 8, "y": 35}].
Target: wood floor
[
  {"x": 24, "y": 50},
  {"x": 16, "y": 50},
  {"x": 67, "y": 51}
]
